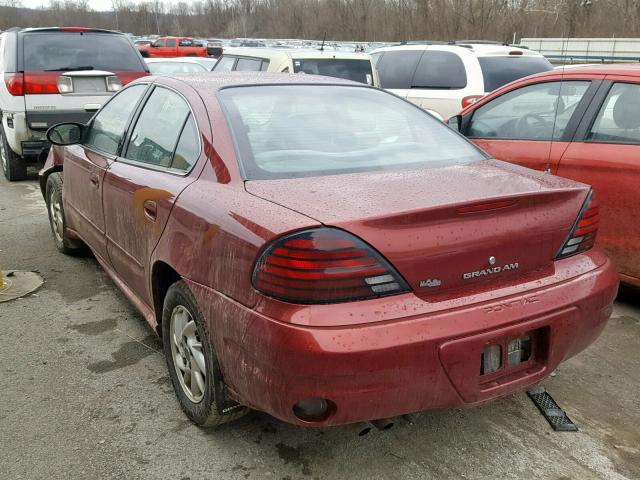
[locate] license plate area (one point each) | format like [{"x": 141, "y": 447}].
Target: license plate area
[{"x": 503, "y": 359}]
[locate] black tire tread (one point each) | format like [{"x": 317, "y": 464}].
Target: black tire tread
[
  {"x": 16, "y": 166},
  {"x": 68, "y": 246}
]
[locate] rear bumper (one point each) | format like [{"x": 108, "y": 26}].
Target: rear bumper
[{"x": 415, "y": 363}]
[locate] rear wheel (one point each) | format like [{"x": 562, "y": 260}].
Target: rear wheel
[
  {"x": 57, "y": 220},
  {"x": 13, "y": 166},
  {"x": 193, "y": 366}
]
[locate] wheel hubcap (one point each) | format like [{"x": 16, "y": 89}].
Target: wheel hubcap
[
  {"x": 188, "y": 356},
  {"x": 3, "y": 154},
  {"x": 57, "y": 222}
]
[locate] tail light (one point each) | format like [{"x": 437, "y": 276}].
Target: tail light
[
  {"x": 14, "y": 83},
  {"x": 324, "y": 265},
  {"x": 113, "y": 83},
  {"x": 470, "y": 100},
  {"x": 36, "y": 83},
  {"x": 583, "y": 234},
  {"x": 65, "y": 84}
]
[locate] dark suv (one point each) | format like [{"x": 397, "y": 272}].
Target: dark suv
[{"x": 54, "y": 75}]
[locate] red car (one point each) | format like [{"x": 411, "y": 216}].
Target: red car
[
  {"x": 324, "y": 251},
  {"x": 594, "y": 138},
  {"x": 171, "y": 47}
]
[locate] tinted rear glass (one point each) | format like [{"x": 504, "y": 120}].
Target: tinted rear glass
[
  {"x": 443, "y": 70},
  {"x": 248, "y": 65},
  {"x": 349, "y": 69},
  {"x": 69, "y": 50},
  {"x": 498, "y": 71},
  {"x": 396, "y": 68},
  {"x": 295, "y": 131}
]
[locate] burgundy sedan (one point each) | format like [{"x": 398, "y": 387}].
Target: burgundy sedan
[{"x": 325, "y": 251}]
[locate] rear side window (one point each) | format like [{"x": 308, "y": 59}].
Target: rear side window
[
  {"x": 60, "y": 51},
  {"x": 248, "y": 65},
  {"x": 186, "y": 42},
  {"x": 156, "y": 132},
  {"x": 108, "y": 125},
  {"x": 618, "y": 120},
  {"x": 498, "y": 71},
  {"x": 396, "y": 68},
  {"x": 225, "y": 64},
  {"x": 443, "y": 70},
  {"x": 349, "y": 69},
  {"x": 188, "y": 149}
]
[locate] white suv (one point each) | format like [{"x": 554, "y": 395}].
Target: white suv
[
  {"x": 55, "y": 75},
  {"x": 445, "y": 77}
]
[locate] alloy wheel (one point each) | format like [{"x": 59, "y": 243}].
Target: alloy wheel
[
  {"x": 57, "y": 220},
  {"x": 188, "y": 355}
]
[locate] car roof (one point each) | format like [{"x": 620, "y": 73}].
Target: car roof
[
  {"x": 631, "y": 69},
  {"x": 214, "y": 82},
  {"x": 177, "y": 60},
  {"x": 475, "y": 49},
  {"x": 298, "y": 53},
  {"x": 66, "y": 29}
]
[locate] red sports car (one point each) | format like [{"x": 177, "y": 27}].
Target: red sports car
[
  {"x": 325, "y": 251},
  {"x": 581, "y": 123}
]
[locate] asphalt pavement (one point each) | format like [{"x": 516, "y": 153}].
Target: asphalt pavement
[{"x": 84, "y": 393}]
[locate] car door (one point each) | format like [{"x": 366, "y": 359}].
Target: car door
[
  {"x": 606, "y": 154},
  {"x": 170, "y": 48},
  {"x": 85, "y": 166},
  {"x": 531, "y": 125},
  {"x": 142, "y": 185}
]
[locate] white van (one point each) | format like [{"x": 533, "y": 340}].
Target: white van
[{"x": 444, "y": 78}]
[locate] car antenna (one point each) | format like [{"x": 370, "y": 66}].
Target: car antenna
[
  {"x": 323, "y": 39},
  {"x": 563, "y": 58}
]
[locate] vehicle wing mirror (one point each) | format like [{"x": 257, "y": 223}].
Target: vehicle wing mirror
[
  {"x": 66, "y": 133},
  {"x": 455, "y": 122}
]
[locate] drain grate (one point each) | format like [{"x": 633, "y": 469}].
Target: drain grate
[{"x": 556, "y": 417}]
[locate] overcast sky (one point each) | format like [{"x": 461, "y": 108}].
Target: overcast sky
[{"x": 94, "y": 4}]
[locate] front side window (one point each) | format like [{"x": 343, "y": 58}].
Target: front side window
[
  {"x": 536, "y": 112},
  {"x": 349, "y": 69},
  {"x": 225, "y": 64},
  {"x": 618, "y": 120},
  {"x": 441, "y": 70},
  {"x": 311, "y": 130},
  {"x": 396, "y": 68},
  {"x": 155, "y": 135},
  {"x": 107, "y": 129},
  {"x": 158, "y": 43},
  {"x": 171, "y": 42}
]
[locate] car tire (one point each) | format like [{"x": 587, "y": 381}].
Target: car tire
[
  {"x": 13, "y": 165},
  {"x": 203, "y": 400},
  {"x": 57, "y": 220}
]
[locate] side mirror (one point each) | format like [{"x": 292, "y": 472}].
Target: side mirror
[
  {"x": 66, "y": 133},
  {"x": 455, "y": 122}
]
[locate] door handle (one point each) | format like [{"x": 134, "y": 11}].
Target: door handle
[
  {"x": 150, "y": 210},
  {"x": 94, "y": 178}
]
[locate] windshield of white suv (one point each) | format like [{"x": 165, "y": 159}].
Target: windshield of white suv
[
  {"x": 63, "y": 51},
  {"x": 498, "y": 71},
  {"x": 289, "y": 131},
  {"x": 349, "y": 69}
]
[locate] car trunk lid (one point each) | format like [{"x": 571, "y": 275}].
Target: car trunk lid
[{"x": 444, "y": 229}]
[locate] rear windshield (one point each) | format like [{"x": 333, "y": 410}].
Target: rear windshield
[
  {"x": 59, "y": 51},
  {"x": 292, "y": 131},
  {"x": 498, "y": 71},
  {"x": 349, "y": 69}
]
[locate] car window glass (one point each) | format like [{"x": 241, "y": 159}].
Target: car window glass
[
  {"x": 500, "y": 70},
  {"x": 396, "y": 68},
  {"x": 188, "y": 149},
  {"x": 171, "y": 42},
  {"x": 248, "y": 65},
  {"x": 618, "y": 120},
  {"x": 158, "y": 43},
  {"x": 265, "y": 66},
  {"x": 349, "y": 69},
  {"x": 185, "y": 42},
  {"x": 300, "y": 130},
  {"x": 156, "y": 132},
  {"x": 163, "y": 68},
  {"x": 225, "y": 64},
  {"x": 107, "y": 128},
  {"x": 440, "y": 70},
  {"x": 535, "y": 112}
]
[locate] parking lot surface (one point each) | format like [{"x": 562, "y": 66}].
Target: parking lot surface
[{"x": 85, "y": 394}]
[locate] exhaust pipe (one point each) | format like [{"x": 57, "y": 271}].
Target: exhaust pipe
[
  {"x": 364, "y": 429},
  {"x": 382, "y": 423}
]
